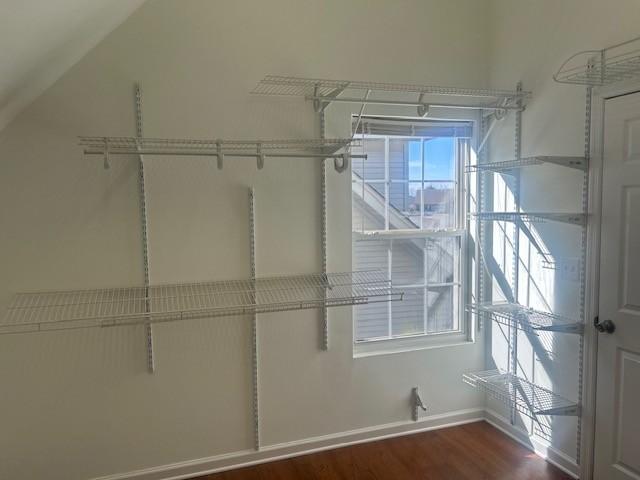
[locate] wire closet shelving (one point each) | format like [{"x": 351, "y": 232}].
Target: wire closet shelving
[
  {"x": 527, "y": 319},
  {"x": 602, "y": 67},
  {"x": 336, "y": 148},
  {"x": 532, "y": 217},
  {"x": 519, "y": 394},
  {"x": 578, "y": 163},
  {"x": 42, "y": 311},
  {"x": 322, "y": 92},
  {"x": 527, "y": 398}
]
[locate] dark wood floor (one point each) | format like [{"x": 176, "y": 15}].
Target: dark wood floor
[{"x": 468, "y": 452}]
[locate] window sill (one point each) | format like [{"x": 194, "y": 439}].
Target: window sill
[{"x": 410, "y": 344}]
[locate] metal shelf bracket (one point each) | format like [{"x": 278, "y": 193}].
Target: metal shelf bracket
[{"x": 321, "y": 102}]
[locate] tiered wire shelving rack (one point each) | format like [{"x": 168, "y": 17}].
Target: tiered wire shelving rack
[
  {"x": 519, "y": 394},
  {"x": 591, "y": 68},
  {"x": 150, "y": 304}
]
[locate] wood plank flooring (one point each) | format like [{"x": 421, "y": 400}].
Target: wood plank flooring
[{"x": 475, "y": 451}]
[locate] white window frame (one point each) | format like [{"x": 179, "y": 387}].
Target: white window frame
[{"x": 465, "y": 335}]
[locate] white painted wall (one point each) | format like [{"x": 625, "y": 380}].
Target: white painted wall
[
  {"x": 77, "y": 405},
  {"x": 529, "y": 41},
  {"x": 66, "y": 30}
]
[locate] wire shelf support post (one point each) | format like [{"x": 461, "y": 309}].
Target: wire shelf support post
[
  {"x": 323, "y": 231},
  {"x": 515, "y": 268},
  {"x": 151, "y": 366},
  {"x": 583, "y": 266},
  {"x": 254, "y": 324}
]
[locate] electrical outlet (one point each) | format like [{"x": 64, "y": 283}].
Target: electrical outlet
[{"x": 569, "y": 269}]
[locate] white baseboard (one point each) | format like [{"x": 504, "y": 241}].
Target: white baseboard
[
  {"x": 228, "y": 461},
  {"x": 555, "y": 457}
]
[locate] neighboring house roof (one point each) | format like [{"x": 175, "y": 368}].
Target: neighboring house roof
[
  {"x": 434, "y": 195},
  {"x": 42, "y": 39}
]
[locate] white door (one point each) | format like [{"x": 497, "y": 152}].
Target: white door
[{"x": 617, "y": 441}]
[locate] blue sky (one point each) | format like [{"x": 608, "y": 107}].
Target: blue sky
[{"x": 439, "y": 159}]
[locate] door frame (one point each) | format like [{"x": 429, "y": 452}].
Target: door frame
[{"x": 590, "y": 353}]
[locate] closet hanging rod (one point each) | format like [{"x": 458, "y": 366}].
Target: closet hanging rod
[
  {"x": 323, "y": 91},
  {"x": 226, "y": 154},
  {"x": 336, "y": 149},
  {"x": 403, "y": 103},
  {"x": 284, "y": 85}
]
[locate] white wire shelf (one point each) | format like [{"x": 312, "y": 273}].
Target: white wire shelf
[
  {"x": 174, "y": 146},
  {"x": 527, "y": 319},
  {"x": 578, "y": 163},
  {"x": 532, "y": 217},
  {"x": 602, "y": 67},
  {"x": 323, "y": 91},
  {"x": 526, "y": 397},
  {"x": 336, "y": 148},
  {"x": 42, "y": 311}
]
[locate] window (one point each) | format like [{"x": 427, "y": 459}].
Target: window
[{"x": 408, "y": 220}]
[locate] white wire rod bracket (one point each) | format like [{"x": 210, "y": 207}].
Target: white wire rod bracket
[
  {"x": 578, "y": 163},
  {"x": 602, "y": 67},
  {"x": 336, "y": 149},
  {"x": 151, "y": 364},
  {"x": 525, "y": 397},
  {"x": 322, "y": 92}
]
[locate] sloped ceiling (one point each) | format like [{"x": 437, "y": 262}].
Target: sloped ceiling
[{"x": 41, "y": 39}]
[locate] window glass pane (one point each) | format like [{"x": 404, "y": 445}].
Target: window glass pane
[
  {"x": 443, "y": 259},
  {"x": 401, "y": 207},
  {"x": 373, "y": 168},
  {"x": 439, "y": 159},
  {"x": 368, "y": 206},
  {"x": 404, "y": 209},
  {"x": 415, "y": 160},
  {"x": 439, "y": 205},
  {"x": 398, "y": 159},
  {"x": 442, "y": 309},
  {"x": 371, "y": 255},
  {"x": 407, "y": 261},
  {"x": 408, "y": 315},
  {"x": 371, "y": 320}
]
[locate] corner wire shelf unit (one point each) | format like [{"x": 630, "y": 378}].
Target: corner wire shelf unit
[
  {"x": 532, "y": 217},
  {"x": 578, "y": 163},
  {"x": 527, "y": 319},
  {"x": 527, "y": 398},
  {"x": 322, "y": 92},
  {"x": 602, "y": 67},
  {"x": 43, "y": 311},
  {"x": 337, "y": 148}
]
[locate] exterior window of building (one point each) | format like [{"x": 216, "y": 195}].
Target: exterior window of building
[{"x": 408, "y": 220}]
